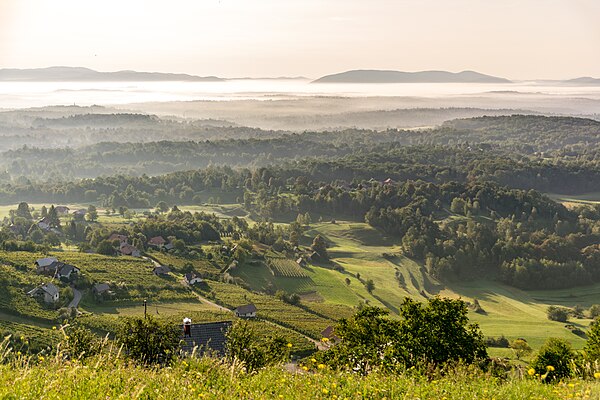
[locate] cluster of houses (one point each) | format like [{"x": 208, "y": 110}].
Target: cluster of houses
[
  {"x": 44, "y": 223},
  {"x": 55, "y": 269},
  {"x": 127, "y": 249}
]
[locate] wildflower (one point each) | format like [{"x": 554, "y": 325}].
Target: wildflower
[
  {"x": 321, "y": 366},
  {"x": 313, "y": 360},
  {"x": 305, "y": 368},
  {"x": 18, "y": 353},
  {"x": 324, "y": 339},
  {"x": 289, "y": 345},
  {"x": 597, "y": 375},
  {"x": 549, "y": 368},
  {"x": 53, "y": 328},
  {"x": 531, "y": 371},
  {"x": 41, "y": 358},
  {"x": 22, "y": 338},
  {"x": 325, "y": 391}
]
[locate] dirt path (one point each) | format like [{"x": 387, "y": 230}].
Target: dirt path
[{"x": 76, "y": 299}]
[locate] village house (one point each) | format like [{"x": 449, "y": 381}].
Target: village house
[
  {"x": 62, "y": 210},
  {"x": 157, "y": 241},
  {"x": 100, "y": 288},
  {"x": 121, "y": 238},
  {"x": 49, "y": 292},
  {"x": 191, "y": 278},
  {"x": 80, "y": 213},
  {"x": 301, "y": 262},
  {"x": 44, "y": 265},
  {"x": 204, "y": 338},
  {"x": 247, "y": 311},
  {"x": 129, "y": 250},
  {"x": 44, "y": 224},
  {"x": 65, "y": 271},
  {"x": 329, "y": 334}
]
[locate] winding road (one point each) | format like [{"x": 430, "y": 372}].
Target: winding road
[{"x": 76, "y": 299}]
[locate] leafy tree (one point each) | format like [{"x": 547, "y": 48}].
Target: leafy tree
[
  {"x": 80, "y": 342},
  {"x": 592, "y": 346},
  {"x": 347, "y": 280},
  {"x": 370, "y": 285},
  {"x": 253, "y": 351},
  {"x": 559, "y": 314},
  {"x": 53, "y": 219},
  {"x": 23, "y": 211},
  {"x": 555, "y": 353},
  {"x": 520, "y": 347},
  {"x": 320, "y": 246},
  {"x": 595, "y": 311},
  {"x": 105, "y": 247},
  {"x": 436, "y": 333},
  {"x": 149, "y": 340},
  {"x": 162, "y": 207},
  {"x": 92, "y": 213}
]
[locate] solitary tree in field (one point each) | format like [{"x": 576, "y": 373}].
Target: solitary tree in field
[
  {"x": 320, "y": 246},
  {"x": 520, "y": 347},
  {"x": 370, "y": 285},
  {"x": 162, "y": 207},
  {"x": 92, "y": 213}
]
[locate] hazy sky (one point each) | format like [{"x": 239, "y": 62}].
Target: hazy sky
[{"x": 516, "y": 39}]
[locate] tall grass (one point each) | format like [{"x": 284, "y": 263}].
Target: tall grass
[{"x": 109, "y": 375}]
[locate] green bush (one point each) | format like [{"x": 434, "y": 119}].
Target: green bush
[
  {"x": 559, "y": 314},
  {"x": 435, "y": 333},
  {"x": 149, "y": 340},
  {"x": 245, "y": 346},
  {"x": 554, "y": 360}
]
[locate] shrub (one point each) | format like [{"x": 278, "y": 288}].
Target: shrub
[
  {"x": 554, "y": 360},
  {"x": 500, "y": 341},
  {"x": 244, "y": 345},
  {"x": 80, "y": 342},
  {"x": 559, "y": 314},
  {"x": 595, "y": 311},
  {"x": 520, "y": 347},
  {"x": 592, "y": 346},
  {"x": 148, "y": 340},
  {"x": 434, "y": 333}
]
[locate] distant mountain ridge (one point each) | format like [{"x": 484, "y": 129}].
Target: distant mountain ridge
[
  {"x": 388, "y": 76},
  {"x": 80, "y": 74},
  {"x": 584, "y": 80}
]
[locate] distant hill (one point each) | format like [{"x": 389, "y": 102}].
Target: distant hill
[
  {"x": 585, "y": 80},
  {"x": 381, "y": 76},
  {"x": 53, "y": 74}
]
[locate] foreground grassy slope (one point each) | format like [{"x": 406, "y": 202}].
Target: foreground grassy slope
[{"x": 213, "y": 379}]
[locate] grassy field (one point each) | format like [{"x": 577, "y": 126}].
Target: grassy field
[
  {"x": 109, "y": 377},
  {"x": 508, "y": 311}
]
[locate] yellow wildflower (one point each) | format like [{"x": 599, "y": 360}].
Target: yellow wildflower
[
  {"x": 289, "y": 345},
  {"x": 550, "y": 368},
  {"x": 531, "y": 371},
  {"x": 321, "y": 366},
  {"x": 305, "y": 368},
  {"x": 597, "y": 375}
]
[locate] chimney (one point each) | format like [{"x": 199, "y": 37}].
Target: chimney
[{"x": 187, "y": 327}]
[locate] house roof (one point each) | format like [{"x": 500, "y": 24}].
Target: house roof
[
  {"x": 67, "y": 269},
  {"x": 128, "y": 249},
  {"x": 328, "y": 332},
  {"x": 101, "y": 287},
  {"x": 116, "y": 236},
  {"x": 190, "y": 275},
  {"x": 50, "y": 288},
  {"x": 46, "y": 262},
  {"x": 247, "y": 309},
  {"x": 157, "y": 240},
  {"x": 208, "y": 337}
]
